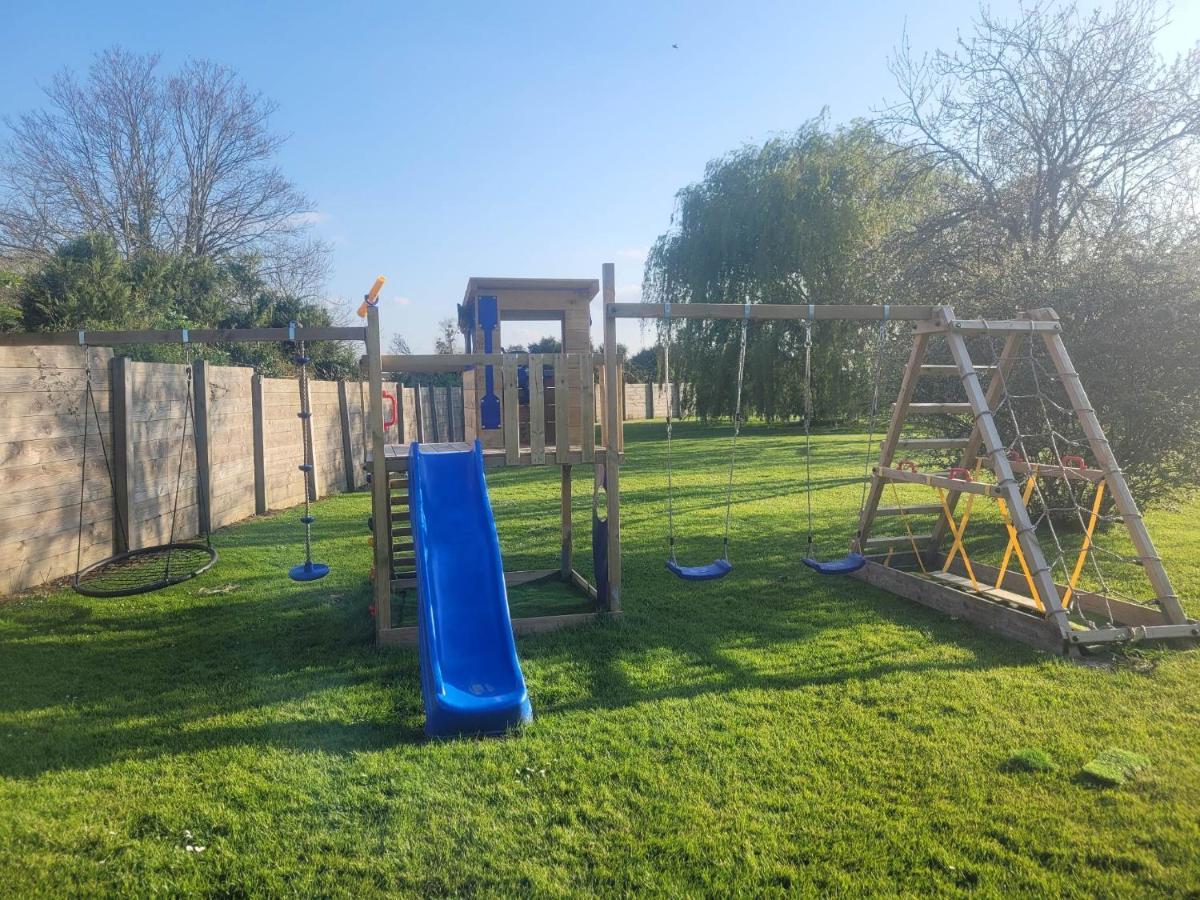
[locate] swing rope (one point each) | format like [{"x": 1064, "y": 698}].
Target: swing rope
[
  {"x": 855, "y": 559},
  {"x": 721, "y": 566},
  {"x": 145, "y": 569}
]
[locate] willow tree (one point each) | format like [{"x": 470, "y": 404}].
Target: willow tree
[{"x": 800, "y": 219}]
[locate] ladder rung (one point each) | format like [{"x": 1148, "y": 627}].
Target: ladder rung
[
  {"x": 403, "y": 529},
  {"x": 951, "y": 371},
  {"x": 917, "y": 509},
  {"x": 933, "y": 443},
  {"x": 901, "y": 540},
  {"x": 955, "y": 409},
  {"x": 399, "y": 498}
]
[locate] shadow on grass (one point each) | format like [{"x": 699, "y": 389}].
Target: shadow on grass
[{"x": 85, "y": 683}]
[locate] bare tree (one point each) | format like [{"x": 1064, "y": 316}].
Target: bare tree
[
  {"x": 399, "y": 346},
  {"x": 446, "y": 341},
  {"x": 1053, "y": 122},
  {"x": 182, "y": 164}
]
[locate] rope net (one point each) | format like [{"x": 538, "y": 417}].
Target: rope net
[{"x": 142, "y": 571}]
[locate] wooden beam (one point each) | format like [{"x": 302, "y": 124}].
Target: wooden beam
[
  {"x": 887, "y": 447},
  {"x": 997, "y": 386},
  {"x": 982, "y": 326},
  {"x": 537, "y": 410},
  {"x": 120, "y": 409},
  {"x": 612, "y": 453},
  {"x": 916, "y": 509},
  {"x": 511, "y": 410},
  {"x": 1006, "y": 484},
  {"x": 562, "y": 408},
  {"x": 981, "y": 488},
  {"x": 382, "y": 593},
  {"x": 434, "y": 363},
  {"x": 202, "y": 436},
  {"x": 1043, "y": 470},
  {"x": 175, "y": 336},
  {"x": 932, "y": 443},
  {"x": 565, "y": 561},
  {"x": 258, "y": 426},
  {"x": 1010, "y": 623},
  {"x": 774, "y": 311},
  {"x": 951, "y": 371},
  {"x": 1106, "y": 460},
  {"x": 587, "y": 410},
  {"x": 938, "y": 409},
  {"x": 347, "y": 439}
]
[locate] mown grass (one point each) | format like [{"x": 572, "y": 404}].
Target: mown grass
[{"x": 774, "y": 732}]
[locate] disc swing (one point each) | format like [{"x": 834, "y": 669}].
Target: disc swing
[
  {"x": 145, "y": 569},
  {"x": 854, "y": 560},
  {"x": 721, "y": 567},
  {"x": 307, "y": 570}
]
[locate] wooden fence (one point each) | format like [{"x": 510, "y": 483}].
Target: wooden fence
[{"x": 246, "y": 460}]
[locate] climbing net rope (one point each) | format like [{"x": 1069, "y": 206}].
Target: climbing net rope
[{"x": 1027, "y": 378}]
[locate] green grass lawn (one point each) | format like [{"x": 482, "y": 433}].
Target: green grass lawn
[{"x": 773, "y": 732}]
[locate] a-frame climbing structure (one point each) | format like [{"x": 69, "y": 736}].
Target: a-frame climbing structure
[{"x": 1034, "y": 476}]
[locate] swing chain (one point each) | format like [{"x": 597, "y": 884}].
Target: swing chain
[
  {"x": 737, "y": 421},
  {"x": 808, "y": 408}
]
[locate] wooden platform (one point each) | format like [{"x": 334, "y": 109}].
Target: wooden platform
[{"x": 397, "y": 455}]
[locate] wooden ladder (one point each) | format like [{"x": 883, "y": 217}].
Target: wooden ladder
[{"x": 403, "y": 553}]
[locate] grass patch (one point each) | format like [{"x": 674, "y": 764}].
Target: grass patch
[
  {"x": 1116, "y": 766},
  {"x": 774, "y": 732},
  {"x": 1030, "y": 759}
]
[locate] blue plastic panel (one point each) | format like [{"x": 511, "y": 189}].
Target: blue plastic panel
[
  {"x": 470, "y": 677},
  {"x": 489, "y": 404}
]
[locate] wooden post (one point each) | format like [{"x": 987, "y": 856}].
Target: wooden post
[
  {"x": 562, "y": 409},
  {"x": 1106, "y": 461},
  {"x": 587, "y": 408},
  {"x": 203, "y": 462},
  {"x": 1006, "y": 482},
  {"x": 347, "y": 441},
  {"x": 537, "y": 411},
  {"x": 259, "y": 431},
  {"x": 887, "y": 447},
  {"x": 121, "y": 386},
  {"x": 612, "y": 454},
  {"x": 565, "y": 564},
  {"x": 382, "y": 590},
  {"x": 511, "y": 410}
]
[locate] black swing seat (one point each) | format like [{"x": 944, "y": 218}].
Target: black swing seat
[
  {"x": 718, "y": 568},
  {"x": 852, "y": 562}
]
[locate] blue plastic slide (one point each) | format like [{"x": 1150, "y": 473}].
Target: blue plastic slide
[{"x": 470, "y": 677}]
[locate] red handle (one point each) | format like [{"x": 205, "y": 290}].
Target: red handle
[
  {"x": 1074, "y": 462},
  {"x": 1014, "y": 455},
  {"x": 959, "y": 473},
  {"x": 906, "y": 464},
  {"x": 389, "y": 418}
]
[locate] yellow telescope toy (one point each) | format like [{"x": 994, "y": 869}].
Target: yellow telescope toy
[{"x": 372, "y": 297}]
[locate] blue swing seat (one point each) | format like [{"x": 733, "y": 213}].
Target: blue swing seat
[
  {"x": 718, "y": 568},
  {"x": 308, "y": 571},
  {"x": 850, "y": 563}
]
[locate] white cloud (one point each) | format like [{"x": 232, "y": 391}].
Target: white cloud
[
  {"x": 312, "y": 217},
  {"x": 402, "y": 301},
  {"x": 632, "y": 253}
]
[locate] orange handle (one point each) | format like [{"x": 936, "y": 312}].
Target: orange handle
[
  {"x": 906, "y": 464},
  {"x": 372, "y": 297},
  {"x": 1075, "y": 462},
  {"x": 959, "y": 474},
  {"x": 389, "y": 417},
  {"x": 1014, "y": 455}
]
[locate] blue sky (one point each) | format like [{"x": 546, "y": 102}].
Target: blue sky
[{"x": 445, "y": 140}]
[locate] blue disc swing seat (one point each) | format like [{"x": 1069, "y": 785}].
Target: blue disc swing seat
[
  {"x": 720, "y": 567},
  {"x": 852, "y": 561}
]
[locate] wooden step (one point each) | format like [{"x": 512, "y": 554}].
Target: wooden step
[
  {"x": 901, "y": 540},
  {"x": 952, "y": 371},
  {"x": 917, "y": 509},
  {"x": 399, "y": 499},
  {"x": 402, "y": 531},
  {"x": 933, "y": 443},
  {"x": 938, "y": 409},
  {"x": 963, "y": 583}
]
